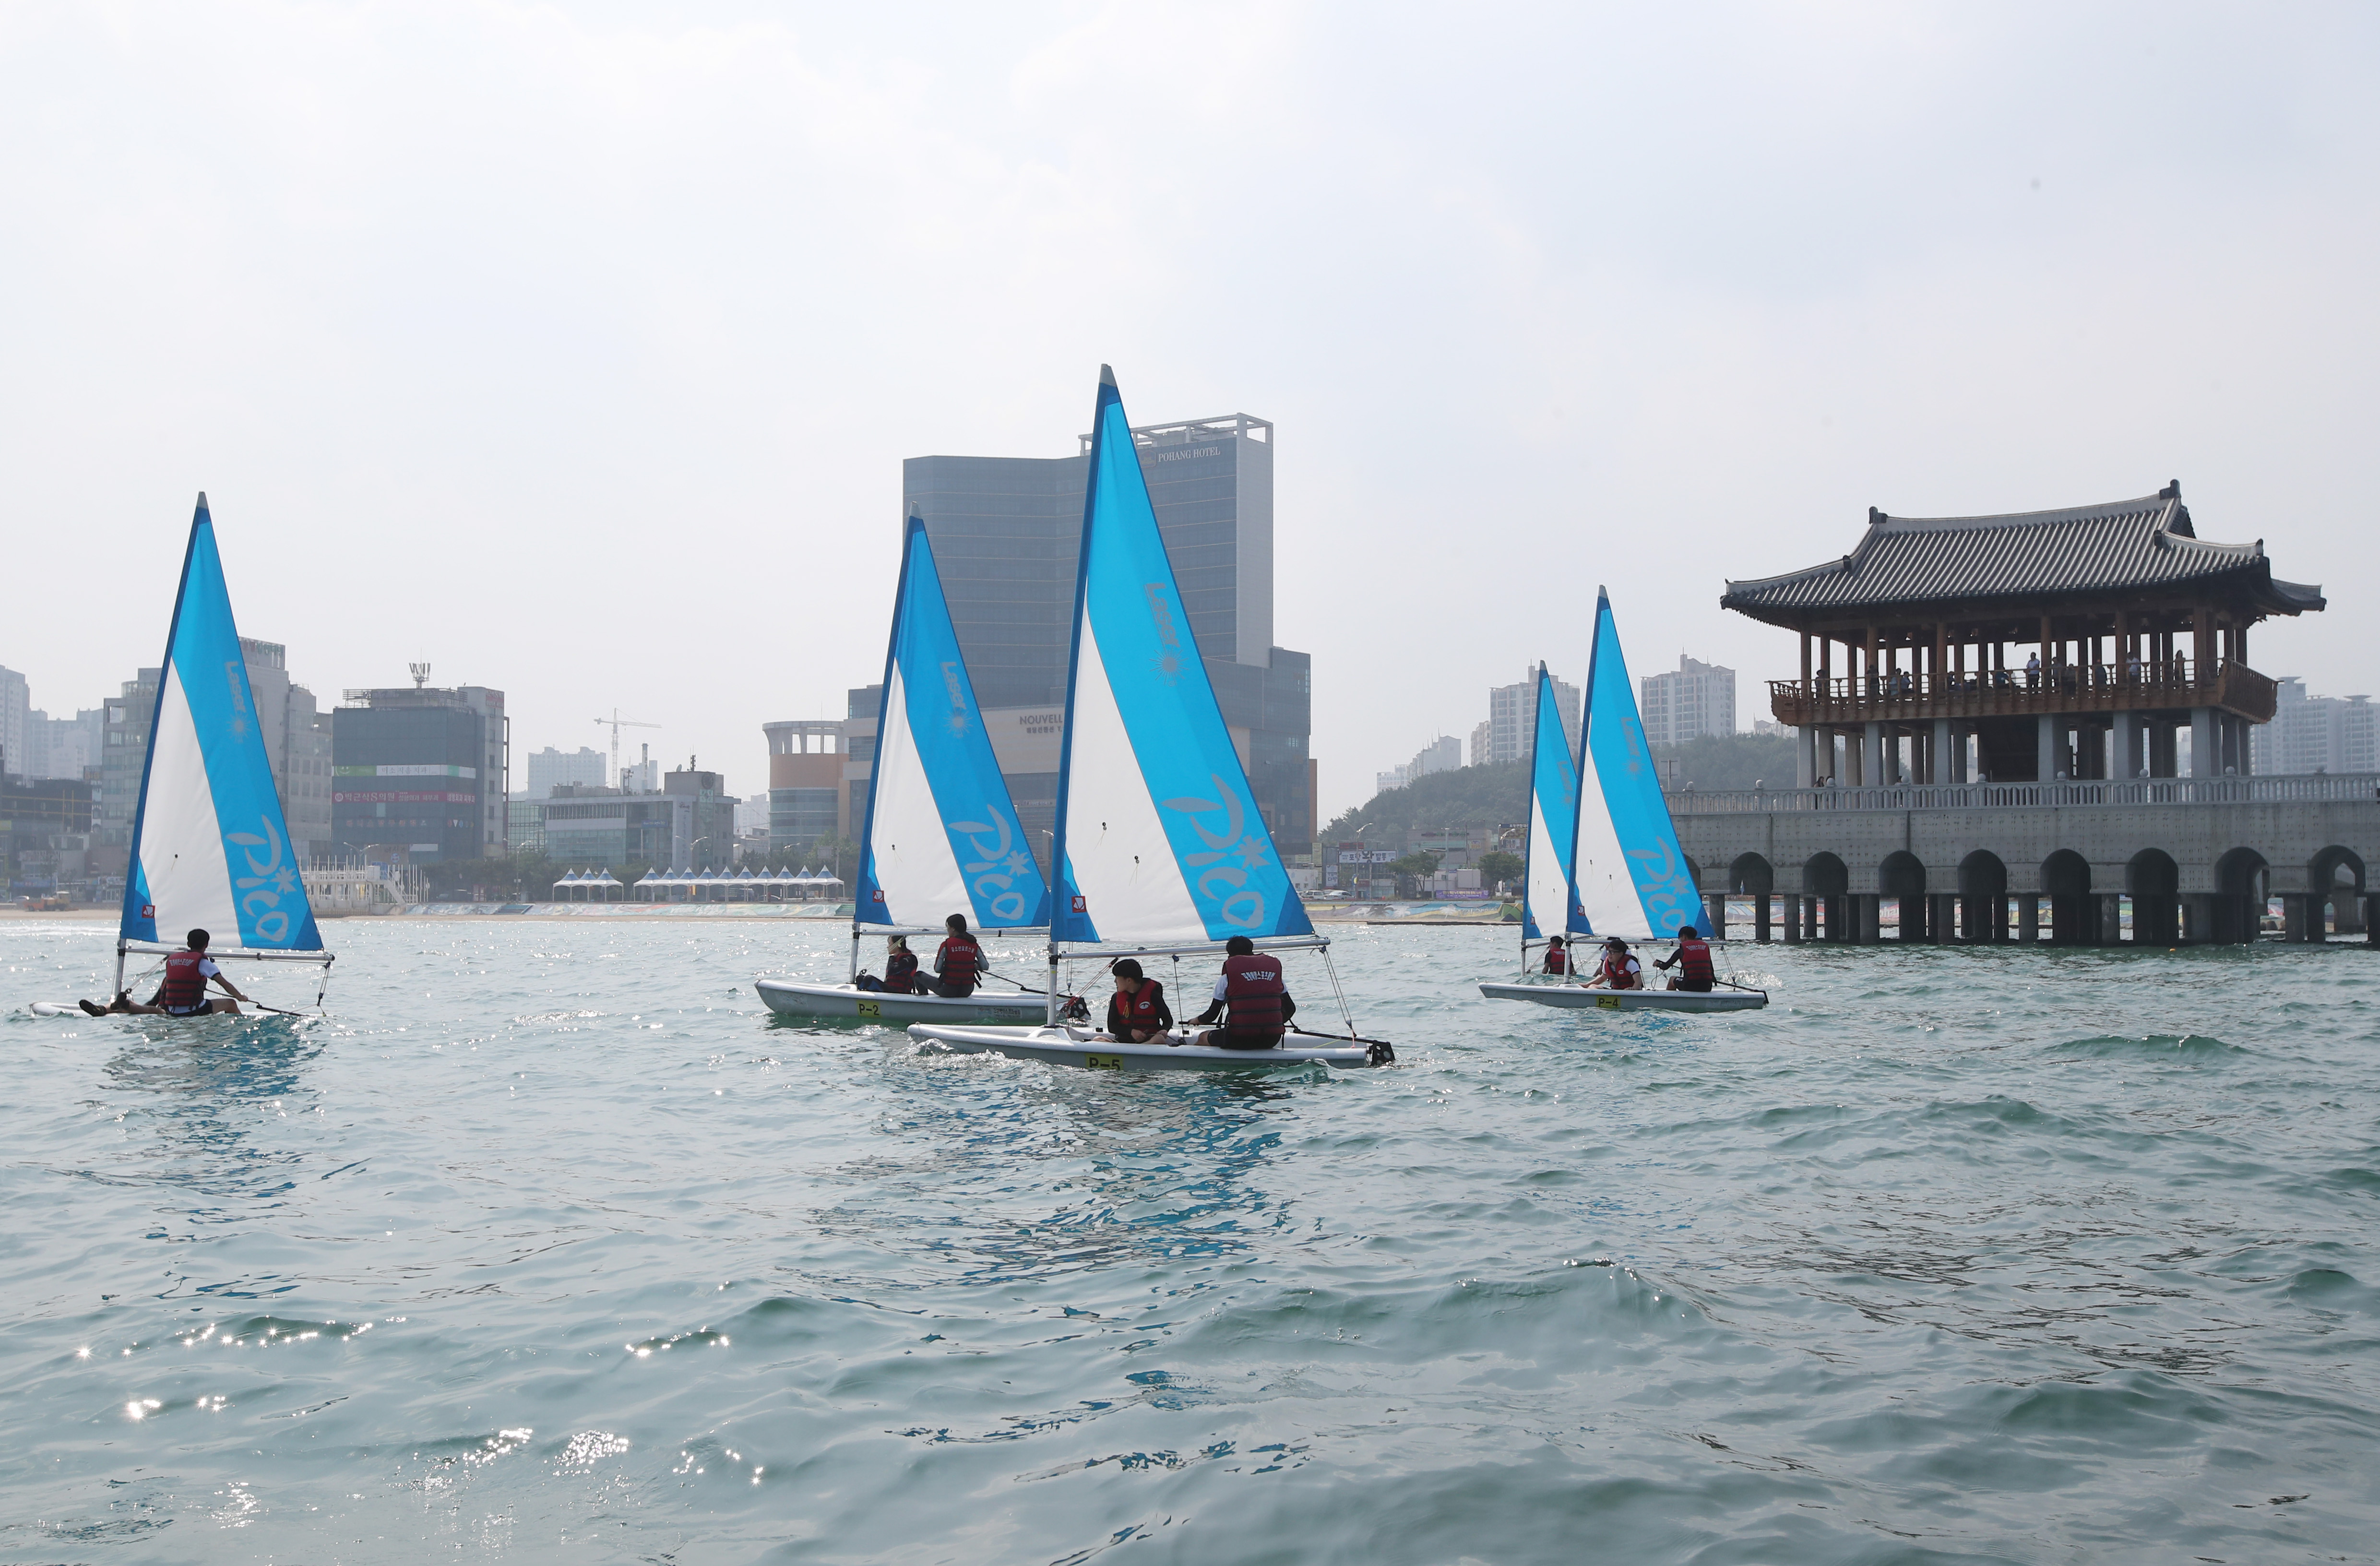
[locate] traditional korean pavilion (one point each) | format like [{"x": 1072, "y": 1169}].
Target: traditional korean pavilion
[{"x": 2068, "y": 644}]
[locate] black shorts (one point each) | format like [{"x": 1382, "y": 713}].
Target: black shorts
[
  {"x": 954, "y": 988},
  {"x": 1227, "y": 1039},
  {"x": 201, "y": 1008}
]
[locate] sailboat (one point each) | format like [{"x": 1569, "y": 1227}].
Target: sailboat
[
  {"x": 1621, "y": 871},
  {"x": 942, "y": 834},
  {"x": 1160, "y": 849},
  {"x": 210, "y": 847}
]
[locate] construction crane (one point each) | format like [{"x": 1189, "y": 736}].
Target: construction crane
[{"x": 616, "y": 724}]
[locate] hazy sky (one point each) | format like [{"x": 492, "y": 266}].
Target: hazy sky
[{"x": 576, "y": 348}]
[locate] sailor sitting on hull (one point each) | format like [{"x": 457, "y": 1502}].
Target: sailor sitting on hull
[
  {"x": 1619, "y": 970},
  {"x": 958, "y": 962},
  {"x": 1557, "y": 956},
  {"x": 1693, "y": 961},
  {"x": 183, "y": 991},
  {"x": 1137, "y": 1011},
  {"x": 1256, "y": 1001},
  {"x": 900, "y": 965}
]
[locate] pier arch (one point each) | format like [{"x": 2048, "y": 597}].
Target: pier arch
[
  {"x": 1902, "y": 877},
  {"x": 2337, "y": 876},
  {"x": 1983, "y": 896},
  {"x": 2066, "y": 882},
  {"x": 1827, "y": 881},
  {"x": 2154, "y": 882},
  {"x": 1752, "y": 875},
  {"x": 2242, "y": 887}
]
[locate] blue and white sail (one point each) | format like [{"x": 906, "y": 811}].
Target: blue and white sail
[
  {"x": 1631, "y": 874},
  {"x": 1546, "y": 894},
  {"x": 1158, "y": 835},
  {"x": 210, "y": 848},
  {"x": 943, "y": 835}
]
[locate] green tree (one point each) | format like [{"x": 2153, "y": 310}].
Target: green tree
[
  {"x": 1497, "y": 868},
  {"x": 1414, "y": 868}
]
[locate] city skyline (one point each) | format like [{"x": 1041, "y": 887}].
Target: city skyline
[{"x": 1644, "y": 300}]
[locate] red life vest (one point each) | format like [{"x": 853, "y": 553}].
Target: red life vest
[
  {"x": 1615, "y": 970},
  {"x": 960, "y": 960},
  {"x": 1143, "y": 1011},
  {"x": 185, "y": 986},
  {"x": 1693, "y": 964},
  {"x": 1557, "y": 960},
  {"x": 1253, "y": 991},
  {"x": 900, "y": 969}
]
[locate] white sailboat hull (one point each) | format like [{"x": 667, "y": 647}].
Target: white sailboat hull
[
  {"x": 1081, "y": 1047},
  {"x": 845, "y": 1003},
  {"x": 1578, "y": 997}
]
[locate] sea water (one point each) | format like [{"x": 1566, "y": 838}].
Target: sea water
[{"x": 546, "y": 1244}]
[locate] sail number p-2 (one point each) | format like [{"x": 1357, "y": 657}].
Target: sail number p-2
[{"x": 871, "y": 1007}]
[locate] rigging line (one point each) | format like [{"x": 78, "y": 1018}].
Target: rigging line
[{"x": 1337, "y": 988}]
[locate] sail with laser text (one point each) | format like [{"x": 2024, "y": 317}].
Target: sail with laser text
[
  {"x": 1546, "y": 894},
  {"x": 1158, "y": 835},
  {"x": 942, "y": 834},
  {"x": 1631, "y": 873},
  {"x": 210, "y": 847}
]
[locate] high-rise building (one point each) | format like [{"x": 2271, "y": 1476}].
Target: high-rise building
[
  {"x": 2317, "y": 733},
  {"x": 1513, "y": 716},
  {"x": 16, "y": 714},
  {"x": 124, "y": 756},
  {"x": 1689, "y": 703},
  {"x": 64, "y": 748},
  {"x": 549, "y": 767},
  {"x": 1005, "y": 532},
  {"x": 422, "y": 771},
  {"x": 297, "y": 745},
  {"x": 1483, "y": 740}
]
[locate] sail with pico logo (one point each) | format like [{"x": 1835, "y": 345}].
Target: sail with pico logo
[
  {"x": 1631, "y": 873},
  {"x": 210, "y": 847},
  {"x": 1546, "y": 893},
  {"x": 1158, "y": 836},
  {"x": 941, "y": 832}
]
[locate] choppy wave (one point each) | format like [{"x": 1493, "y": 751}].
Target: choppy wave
[{"x": 536, "y": 1253}]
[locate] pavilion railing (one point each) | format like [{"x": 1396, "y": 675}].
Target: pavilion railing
[
  {"x": 1904, "y": 696},
  {"x": 2307, "y": 788}
]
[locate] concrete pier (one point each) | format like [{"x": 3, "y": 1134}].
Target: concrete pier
[{"x": 2190, "y": 860}]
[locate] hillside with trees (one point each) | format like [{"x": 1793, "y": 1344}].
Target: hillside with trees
[{"x": 1492, "y": 796}]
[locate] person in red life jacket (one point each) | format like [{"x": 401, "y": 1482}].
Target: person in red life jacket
[
  {"x": 1137, "y": 1011},
  {"x": 900, "y": 966},
  {"x": 1693, "y": 961},
  {"x": 958, "y": 962},
  {"x": 1557, "y": 955},
  {"x": 1251, "y": 1001},
  {"x": 1619, "y": 970},
  {"x": 184, "y": 993}
]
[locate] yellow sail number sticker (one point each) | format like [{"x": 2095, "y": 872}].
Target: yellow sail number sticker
[
  {"x": 1104, "y": 1063},
  {"x": 1607, "y": 1003},
  {"x": 871, "y": 1009}
]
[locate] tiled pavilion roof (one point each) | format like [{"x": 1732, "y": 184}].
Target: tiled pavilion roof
[{"x": 1940, "y": 563}]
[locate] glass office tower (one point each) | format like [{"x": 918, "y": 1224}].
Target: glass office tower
[{"x": 1005, "y": 532}]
